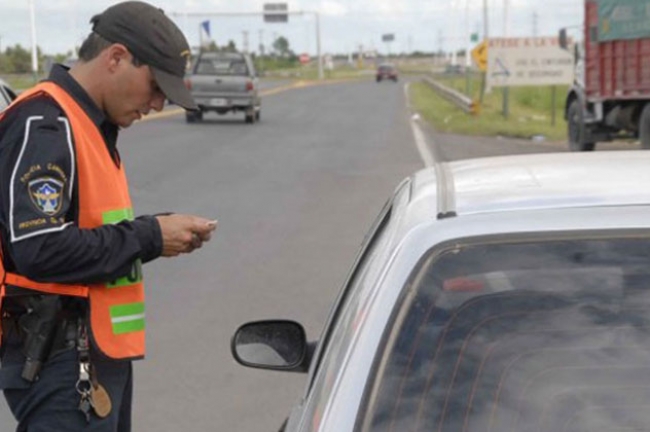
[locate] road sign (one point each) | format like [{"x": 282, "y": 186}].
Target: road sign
[
  {"x": 480, "y": 55},
  {"x": 535, "y": 61},
  {"x": 304, "y": 58},
  {"x": 388, "y": 37},
  {"x": 276, "y": 12}
]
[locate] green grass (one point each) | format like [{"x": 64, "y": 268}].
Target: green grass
[
  {"x": 530, "y": 110},
  {"x": 19, "y": 82},
  {"x": 311, "y": 73}
]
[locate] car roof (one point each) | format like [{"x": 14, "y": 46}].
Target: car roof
[
  {"x": 531, "y": 182},
  {"x": 226, "y": 55}
]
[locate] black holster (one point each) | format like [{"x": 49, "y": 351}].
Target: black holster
[{"x": 38, "y": 327}]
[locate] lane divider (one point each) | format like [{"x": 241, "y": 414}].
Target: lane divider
[{"x": 268, "y": 92}]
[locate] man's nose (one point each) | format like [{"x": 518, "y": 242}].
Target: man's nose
[{"x": 157, "y": 102}]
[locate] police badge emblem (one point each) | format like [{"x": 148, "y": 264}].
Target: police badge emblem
[{"x": 46, "y": 194}]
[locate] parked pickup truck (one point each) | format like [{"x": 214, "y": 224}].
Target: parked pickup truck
[
  {"x": 224, "y": 82},
  {"x": 610, "y": 98}
]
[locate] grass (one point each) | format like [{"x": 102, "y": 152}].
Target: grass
[
  {"x": 311, "y": 73},
  {"x": 530, "y": 110},
  {"x": 19, "y": 81}
]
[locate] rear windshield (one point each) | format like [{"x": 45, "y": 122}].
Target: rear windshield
[
  {"x": 545, "y": 336},
  {"x": 221, "y": 66},
  {"x": 386, "y": 68}
]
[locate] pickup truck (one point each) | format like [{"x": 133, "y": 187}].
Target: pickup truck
[
  {"x": 224, "y": 82},
  {"x": 610, "y": 98}
]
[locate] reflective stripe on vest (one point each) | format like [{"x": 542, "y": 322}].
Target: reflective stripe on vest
[{"x": 117, "y": 308}]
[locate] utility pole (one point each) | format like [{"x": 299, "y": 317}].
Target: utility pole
[
  {"x": 506, "y": 89},
  {"x": 535, "y": 23},
  {"x": 440, "y": 46},
  {"x": 32, "y": 16},
  {"x": 261, "y": 49},
  {"x": 486, "y": 38},
  {"x": 468, "y": 38},
  {"x": 245, "y": 41},
  {"x": 318, "y": 47}
]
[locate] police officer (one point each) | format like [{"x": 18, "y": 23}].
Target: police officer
[{"x": 71, "y": 288}]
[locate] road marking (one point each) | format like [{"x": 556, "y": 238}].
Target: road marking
[{"x": 420, "y": 140}]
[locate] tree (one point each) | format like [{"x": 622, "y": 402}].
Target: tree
[
  {"x": 19, "y": 60},
  {"x": 231, "y": 47},
  {"x": 212, "y": 46},
  {"x": 281, "y": 46}
]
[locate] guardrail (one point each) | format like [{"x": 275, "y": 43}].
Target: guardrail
[{"x": 462, "y": 101}]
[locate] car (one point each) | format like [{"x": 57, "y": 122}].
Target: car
[
  {"x": 505, "y": 293},
  {"x": 224, "y": 82},
  {"x": 7, "y": 95},
  {"x": 386, "y": 71}
]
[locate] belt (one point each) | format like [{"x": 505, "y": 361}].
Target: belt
[{"x": 65, "y": 336}]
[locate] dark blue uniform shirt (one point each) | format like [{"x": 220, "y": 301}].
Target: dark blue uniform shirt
[{"x": 39, "y": 202}]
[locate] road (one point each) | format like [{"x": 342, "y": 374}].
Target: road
[{"x": 294, "y": 196}]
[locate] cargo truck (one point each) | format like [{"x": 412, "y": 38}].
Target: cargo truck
[{"x": 610, "y": 97}]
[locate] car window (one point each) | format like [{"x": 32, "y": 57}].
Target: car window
[
  {"x": 543, "y": 336},
  {"x": 349, "y": 310},
  {"x": 221, "y": 66}
]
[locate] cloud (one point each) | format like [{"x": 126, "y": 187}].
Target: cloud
[{"x": 333, "y": 8}]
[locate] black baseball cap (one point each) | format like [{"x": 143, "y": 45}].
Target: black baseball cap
[{"x": 153, "y": 39}]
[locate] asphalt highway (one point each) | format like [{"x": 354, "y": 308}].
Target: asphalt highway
[{"x": 294, "y": 196}]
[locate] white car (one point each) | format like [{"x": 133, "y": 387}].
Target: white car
[
  {"x": 6, "y": 95},
  {"x": 497, "y": 294}
]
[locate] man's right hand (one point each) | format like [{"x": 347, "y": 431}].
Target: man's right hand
[{"x": 184, "y": 233}]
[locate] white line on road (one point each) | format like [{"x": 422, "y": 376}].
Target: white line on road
[{"x": 420, "y": 140}]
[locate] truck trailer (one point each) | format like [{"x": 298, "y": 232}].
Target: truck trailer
[{"x": 610, "y": 97}]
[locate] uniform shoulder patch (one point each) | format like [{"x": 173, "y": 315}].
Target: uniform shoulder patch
[{"x": 46, "y": 194}]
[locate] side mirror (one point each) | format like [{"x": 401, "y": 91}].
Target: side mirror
[
  {"x": 563, "y": 39},
  {"x": 275, "y": 345}
]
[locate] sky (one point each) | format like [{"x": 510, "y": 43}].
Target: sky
[{"x": 346, "y": 25}]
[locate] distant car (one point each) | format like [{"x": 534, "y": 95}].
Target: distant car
[
  {"x": 498, "y": 294},
  {"x": 224, "y": 82},
  {"x": 386, "y": 71},
  {"x": 7, "y": 95}
]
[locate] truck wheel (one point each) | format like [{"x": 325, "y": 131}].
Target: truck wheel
[
  {"x": 576, "y": 129},
  {"x": 250, "y": 115},
  {"x": 644, "y": 128},
  {"x": 193, "y": 116}
]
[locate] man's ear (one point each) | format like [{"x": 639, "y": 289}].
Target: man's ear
[{"x": 115, "y": 55}]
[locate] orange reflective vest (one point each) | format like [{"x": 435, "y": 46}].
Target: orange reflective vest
[{"x": 116, "y": 308}]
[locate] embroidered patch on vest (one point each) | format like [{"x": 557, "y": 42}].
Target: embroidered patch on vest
[{"x": 47, "y": 194}]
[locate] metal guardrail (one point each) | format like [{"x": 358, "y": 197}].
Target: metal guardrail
[{"x": 462, "y": 101}]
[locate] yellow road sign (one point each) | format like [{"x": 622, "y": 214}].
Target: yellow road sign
[{"x": 480, "y": 55}]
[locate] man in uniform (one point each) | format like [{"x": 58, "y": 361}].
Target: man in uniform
[{"x": 71, "y": 288}]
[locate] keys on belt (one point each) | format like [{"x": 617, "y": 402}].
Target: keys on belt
[{"x": 94, "y": 396}]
